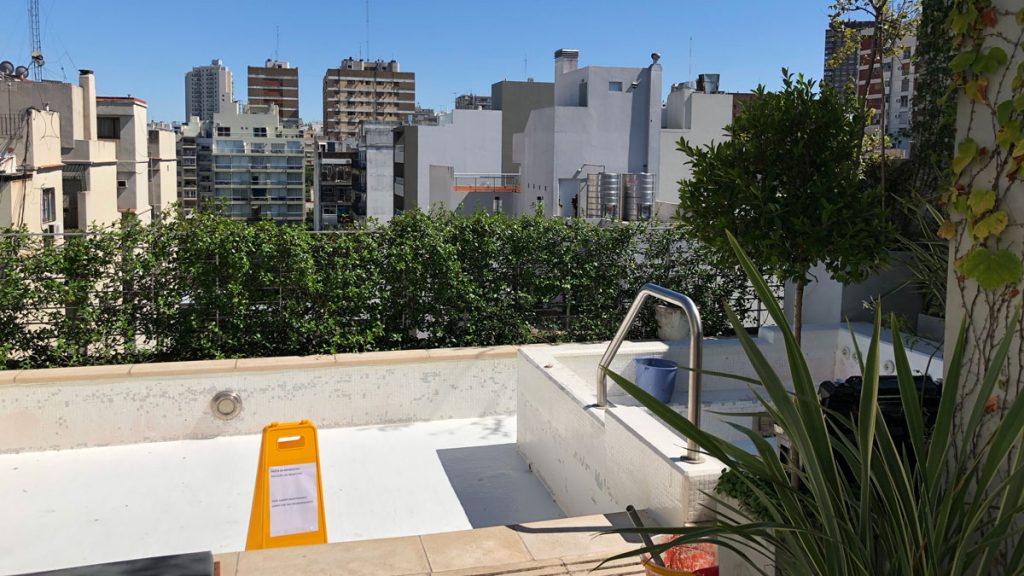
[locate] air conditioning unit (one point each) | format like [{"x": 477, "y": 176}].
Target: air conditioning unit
[{"x": 55, "y": 228}]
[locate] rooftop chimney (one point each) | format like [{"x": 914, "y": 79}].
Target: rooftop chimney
[
  {"x": 566, "y": 60},
  {"x": 88, "y": 83}
]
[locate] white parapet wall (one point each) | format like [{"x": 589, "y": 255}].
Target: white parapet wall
[
  {"x": 64, "y": 408},
  {"x": 598, "y": 460}
]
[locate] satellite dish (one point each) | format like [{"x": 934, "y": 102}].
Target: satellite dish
[
  {"x": 6, "y": 68},
  {"x": 21, "y": 72}
]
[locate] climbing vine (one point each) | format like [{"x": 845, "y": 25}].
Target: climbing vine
[{"x": 989, "y": 159}]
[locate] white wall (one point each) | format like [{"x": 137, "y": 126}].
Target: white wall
[
  {"x": 615, "y": 129},
  {"x": 700, "y": 119},
  {"x": 81, "y": 407},
  {"x": 471, "y": 143}
]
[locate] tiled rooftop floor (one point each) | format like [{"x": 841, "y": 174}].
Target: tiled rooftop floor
[{"x": 549, "y": 548}]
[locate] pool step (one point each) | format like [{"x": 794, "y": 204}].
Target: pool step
[{"x": 561, "y": 547}]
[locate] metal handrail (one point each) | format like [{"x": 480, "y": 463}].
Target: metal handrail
[{"x": 696, "y": 349}]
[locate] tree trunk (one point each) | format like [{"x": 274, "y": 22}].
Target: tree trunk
[
  {"x": 798, "y": 311},
  {"x": 879, "y": 51}
]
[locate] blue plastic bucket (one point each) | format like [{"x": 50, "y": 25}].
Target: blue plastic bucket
[{"x": 657, "y": 377}]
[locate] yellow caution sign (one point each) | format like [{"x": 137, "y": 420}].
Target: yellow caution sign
[{"x": 288, "y": 503}]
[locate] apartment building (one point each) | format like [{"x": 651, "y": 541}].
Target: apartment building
[
  {"x": 122, "y": 121},
  {"x": 897, "y": 74},
  {"x": 375, "y": 169},
  {"x": 365, "y": 90},
  {"x": 456, "y": 163},
  {"x": 163, "y": 170},
  {"x": 255, "y": 165},
  {"x": 103, "y": 161},
  {"x": 517, "y": 100},
  {"x": 840, "y": 74},
  {"x": 276, "y": 83},
  {"x": 334, "y": 196},
  {"x": 699, "y": 112},
  {"x": 187, "y": 152},
  {"x": 472, "y": 102},
  {"x": 604, "y": 119},
  {"x": 208, "y": 90},
  {"x": 31, "y": 183}
]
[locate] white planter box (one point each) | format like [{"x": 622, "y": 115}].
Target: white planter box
[{"x": 732, "y": 564}]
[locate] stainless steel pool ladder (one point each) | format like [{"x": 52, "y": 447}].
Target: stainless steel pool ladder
[{"x": 696, "y": 353}]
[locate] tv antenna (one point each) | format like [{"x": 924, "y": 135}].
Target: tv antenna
[
  {"x": 37, "y": 43},
  {"x": 689, "y": 70},
  {"x": 367, "y": 29},
  {"x": 277, "y": 41}
]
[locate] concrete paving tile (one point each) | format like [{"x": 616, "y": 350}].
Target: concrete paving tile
[
  {"x": 474, "y": 548},
  {"x": 531, "y": 568},
  {"x": 579, "y": 536},
  {"x": 384, "y": 557},
  {"x": 228, "y": 564}
]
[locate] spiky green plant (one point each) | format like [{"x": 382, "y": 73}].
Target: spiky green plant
[{"x": 862, "y": 507}]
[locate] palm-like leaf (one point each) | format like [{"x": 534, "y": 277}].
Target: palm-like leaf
[{"x": 866, "y": 504}]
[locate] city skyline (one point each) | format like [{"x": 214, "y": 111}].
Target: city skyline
[{"x": 454, "y": 47}]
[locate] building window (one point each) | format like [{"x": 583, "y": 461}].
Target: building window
[
  {"x": 48, "y": 203},
  {"x": 615, "y": 86},
  {"x": 905, "y": 85},
  {"x": 122, "y": 184},
  {"x": 904, "y": 101},
  {"x": 496, "y": 206},
  {"x": 906, "y": 52},
  {"x": 108, "y": 128},
  {"x": 223, "y": 130}
]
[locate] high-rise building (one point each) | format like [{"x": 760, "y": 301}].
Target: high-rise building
[
  {"x": 472, "y": 102},
  {"x": 256, "y": 165},
  {"x": 276, "y": 83},
  {"x": 208, "y": 90},
  {"x": 896, "y": 73},
  {"x": 842, "y": 72},
  {"x": 365, "y": 90}
]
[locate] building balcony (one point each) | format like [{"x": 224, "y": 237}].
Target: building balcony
[{"x": 490, "y": 183}]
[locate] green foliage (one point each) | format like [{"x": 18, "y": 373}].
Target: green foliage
[
  {"x": 789, "y": 182},
  {"x": 865, "y": 505},
  {"x": 209, "y": 287}
]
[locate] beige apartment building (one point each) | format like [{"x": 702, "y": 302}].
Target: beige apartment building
[
  {"x": 101, "y": 166},
  {"x": 370, "y": 90}
]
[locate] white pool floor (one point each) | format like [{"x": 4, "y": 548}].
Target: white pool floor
[{"x": 78, "y": 507}]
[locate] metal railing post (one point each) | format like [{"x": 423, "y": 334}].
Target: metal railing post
[{"x": 696, "y": 353}]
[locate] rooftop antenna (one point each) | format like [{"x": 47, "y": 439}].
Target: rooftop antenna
[
  {"x": 277, "y": 41},
  {"x": 689, "y": 70},
  {"x": 367, "y": 29},
  {"x": 37, "y": 43},
  {"x": 525, "y": 74}
]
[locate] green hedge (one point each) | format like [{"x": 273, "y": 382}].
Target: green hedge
[{"x": 208, "y": 287}]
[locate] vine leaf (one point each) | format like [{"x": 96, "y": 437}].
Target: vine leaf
[
  {"x": 1003, "y": 111},
  {"x": 965, "y": 153},
  {"x": 991, "y": 225},
  {"x": 961, "y": 61},
  {"x": 977, "y": 90},
  {"x": 991, "y": 268},
  {"x": 1008, "y": 134},
  {"x": 981, "y": 200},
  {"x": 947, "y": 230}
]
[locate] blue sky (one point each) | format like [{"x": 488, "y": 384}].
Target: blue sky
[{"x": 454, "y": 46}]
